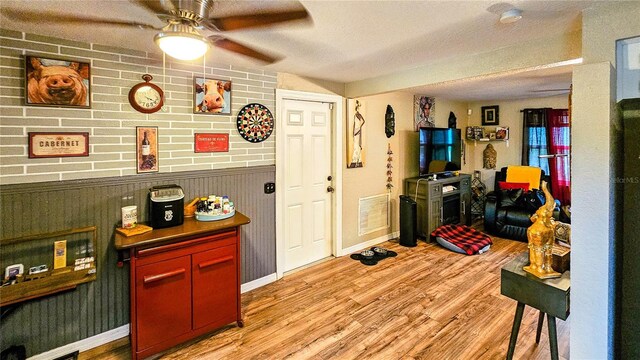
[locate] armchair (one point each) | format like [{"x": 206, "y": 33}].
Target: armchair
[{"x": 506, "y": 216}]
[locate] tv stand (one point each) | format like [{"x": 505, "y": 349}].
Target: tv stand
[{"x": 440, "y": 202}]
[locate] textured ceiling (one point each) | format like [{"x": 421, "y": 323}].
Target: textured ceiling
[{"x": 346, "y": 41}]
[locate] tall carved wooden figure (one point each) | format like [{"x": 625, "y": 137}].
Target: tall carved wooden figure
[{"x": 541, "y": 239}]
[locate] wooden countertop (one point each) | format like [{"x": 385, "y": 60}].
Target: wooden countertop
[{"x": 190, "y": 227}]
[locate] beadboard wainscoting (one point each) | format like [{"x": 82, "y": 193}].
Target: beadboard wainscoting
[{"x": 103, "y": 305}]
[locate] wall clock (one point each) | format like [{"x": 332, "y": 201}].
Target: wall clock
[
  {"x": 146, "y": 97},
  {"x": 255, "y": 122}
]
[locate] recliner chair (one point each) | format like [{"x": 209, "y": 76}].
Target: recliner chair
[{"x": 510, "y": 221}]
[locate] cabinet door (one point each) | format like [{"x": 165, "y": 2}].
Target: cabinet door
[
  {"x": 163, "y": 301},
  {"x": 215, "y": 289}
]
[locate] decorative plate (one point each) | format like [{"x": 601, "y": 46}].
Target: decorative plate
[{"x": 255, "y": 123}]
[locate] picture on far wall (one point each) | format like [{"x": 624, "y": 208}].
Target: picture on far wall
[
  {"x": 356, "y": 152},
  {"x": 57, "y": 82},
  {"x": 211, "y": 96},
  {"x": 490, "y": 115},
  {"x": 424, "y": 108},
  {"x": 147, "y": 149}
]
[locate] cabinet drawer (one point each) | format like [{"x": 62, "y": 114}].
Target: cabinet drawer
[
  {"x": 215, "y": 286},
  {"x": 436, "y": 190},
  {"x": 465, "y": 183},
  {"x": 163, "y": 301}
]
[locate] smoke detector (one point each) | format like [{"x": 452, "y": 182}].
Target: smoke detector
[{"x": 511, "y": 16}]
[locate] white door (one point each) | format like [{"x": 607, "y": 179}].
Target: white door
[{"x": 307, "y": 180}]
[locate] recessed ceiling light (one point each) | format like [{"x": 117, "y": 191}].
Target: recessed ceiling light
[{"x": 511, "y": 16}]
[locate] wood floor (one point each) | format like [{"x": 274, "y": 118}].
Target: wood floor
[{"x": 427, "y": 303}]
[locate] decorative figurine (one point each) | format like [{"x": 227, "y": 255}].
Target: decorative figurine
[
  {"x": 389, "y": 122},
  {"x": 452, "y": 120},
  {"x": 489, "y": 157},
  {"x": 541, "y": 238}
]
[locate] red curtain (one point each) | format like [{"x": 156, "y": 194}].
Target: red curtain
[{"x": 559, "y": 132}]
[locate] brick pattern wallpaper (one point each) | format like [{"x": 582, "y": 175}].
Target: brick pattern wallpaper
[{"x": 111, "y": 121}]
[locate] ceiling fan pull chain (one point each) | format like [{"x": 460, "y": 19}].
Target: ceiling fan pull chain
[{"x": 164, "y": 78}]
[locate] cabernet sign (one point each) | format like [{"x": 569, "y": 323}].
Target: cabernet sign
[
  {"x": 211, "y": 143},
  {"x": 58, "y": 144}
]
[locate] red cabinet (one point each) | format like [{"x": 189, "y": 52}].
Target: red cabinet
[{"x": 185, "y": 282}]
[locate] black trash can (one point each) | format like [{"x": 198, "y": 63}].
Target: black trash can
[{"x": 408, "y": 221}]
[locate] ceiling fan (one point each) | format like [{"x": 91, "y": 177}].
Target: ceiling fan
[{"x": 186, "y": 20}]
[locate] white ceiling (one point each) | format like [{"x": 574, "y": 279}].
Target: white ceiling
[{"x": 347, "y": 40}]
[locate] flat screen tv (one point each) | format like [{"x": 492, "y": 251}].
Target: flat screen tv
[{"x": 440, "y": 150}]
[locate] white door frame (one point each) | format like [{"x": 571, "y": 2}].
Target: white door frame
[{"x": 337, "y": 134}]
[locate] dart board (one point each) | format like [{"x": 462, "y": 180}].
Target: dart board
[{"x": 255, "y": 123}]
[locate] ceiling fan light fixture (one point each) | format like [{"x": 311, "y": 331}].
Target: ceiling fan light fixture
[
  {"x": 511, "y": 16},
  {"x": 182, "y": 42}
]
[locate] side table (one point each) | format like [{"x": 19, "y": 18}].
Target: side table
[{"x": 550, "y": 296}]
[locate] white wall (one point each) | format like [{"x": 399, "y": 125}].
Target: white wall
[
  {"x": 509, "y": 153},
  {"x": 595, "y": 135},
  {"x": 371, "y": 179}
]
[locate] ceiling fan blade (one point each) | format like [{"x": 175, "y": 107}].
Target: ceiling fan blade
[
  {"x": 238, "y": 48},
  {"x": 256, "y": 20},
  {"x": 547, "y": 90},
  {"x": 38, "y": 17},
  {"x": 157, "y": 6}
]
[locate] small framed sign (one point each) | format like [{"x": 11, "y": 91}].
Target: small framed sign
[
  {"x": 204, "y": 143},
  {"x": 147, "y": 149},
  {"x": 490, "y": 115},
  {"x": 58, "y": 144}
]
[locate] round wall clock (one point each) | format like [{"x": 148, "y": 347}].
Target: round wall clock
[
  {"x": 255, "y": 123},
  {"x": 146, "y": 97}
]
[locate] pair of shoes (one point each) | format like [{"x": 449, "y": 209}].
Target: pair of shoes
[{"x": 372, "y": 256}]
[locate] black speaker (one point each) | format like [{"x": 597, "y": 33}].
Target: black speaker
[{"x": 408, "y": 221}]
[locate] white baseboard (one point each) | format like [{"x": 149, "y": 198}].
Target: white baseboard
[
  {"x": 85, "y": 344},
  {"x": 123, "y": 331},
  {"x": 258, "y": 283},
  {"x": 368, "y": 244}
]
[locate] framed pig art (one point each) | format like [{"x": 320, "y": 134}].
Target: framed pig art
[{"x": 57, "y": 82}]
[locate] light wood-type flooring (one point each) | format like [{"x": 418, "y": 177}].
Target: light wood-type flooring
[{"x": 427, "y": 303}]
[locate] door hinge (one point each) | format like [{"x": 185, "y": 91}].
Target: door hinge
[{"x": 330, "y": 106}]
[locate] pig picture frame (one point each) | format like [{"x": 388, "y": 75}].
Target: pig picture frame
[
  {"x": 211, "y": 96},
  {"x": 57, "y": 82}
]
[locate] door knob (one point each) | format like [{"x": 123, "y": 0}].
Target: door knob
[
  {"x": 329, "y": 178},
  {"x": 330, "y": 189}
]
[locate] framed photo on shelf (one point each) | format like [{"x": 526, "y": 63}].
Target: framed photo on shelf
[
  {"x": 43, "y": 76},
  {"x": 490, "y": 115},
  {"x": 211, "y": 96},
  {"x": 147, "y": 149},
  {"x": 502, "y": 133}
]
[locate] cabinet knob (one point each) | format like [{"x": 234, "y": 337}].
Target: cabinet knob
[
  {"x": 330, "y": 189},
  {"x": 329, "y": 178}
]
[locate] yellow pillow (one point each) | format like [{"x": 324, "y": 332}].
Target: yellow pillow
[{"x": 522, "y": 174}]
